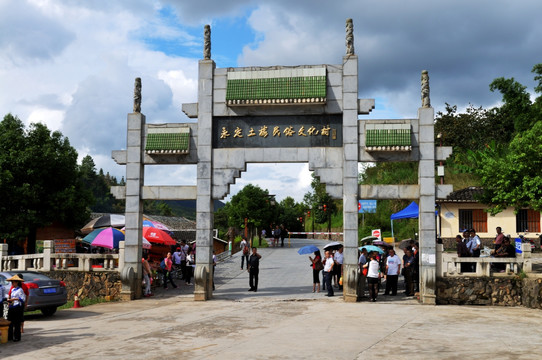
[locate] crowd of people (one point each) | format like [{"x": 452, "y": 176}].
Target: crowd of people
[
  {"x": 175, "y": 265},
  {"x": 374, "y": 267},
  {"x": 469, "y": 245},
  {"x": 388, "y": 266}
]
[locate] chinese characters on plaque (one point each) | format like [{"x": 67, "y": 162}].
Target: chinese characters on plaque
[
  {"x": 321, "y": 130},
  {"x": 263, "y": 131}
]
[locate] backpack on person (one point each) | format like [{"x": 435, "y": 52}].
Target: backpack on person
[
  {"x": 163, "y": 264},
  {"x": 245, "y": 250}
]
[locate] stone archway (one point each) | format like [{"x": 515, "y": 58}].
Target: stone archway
[{"x": 306, "y": 113}]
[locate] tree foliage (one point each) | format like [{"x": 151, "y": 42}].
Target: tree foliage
[
  {"x": 40, "y": 180},
  {"x": 99, "y": 184},
  {"x": 510, "y": 172},
  {"x": 321, "y": 203},
  {"x": 512, "y": 178},
  {"x": 472, "y": 130}
]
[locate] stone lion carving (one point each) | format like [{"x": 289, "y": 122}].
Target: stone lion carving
[
  {"x": 426, "y": 102},
  {"x": 349, "y": 37},
  {"x": 207, "y": 42},
  {"x": 137, "y": 95}
]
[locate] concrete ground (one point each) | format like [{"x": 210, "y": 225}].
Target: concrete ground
[{"x": 283, "y": 320}]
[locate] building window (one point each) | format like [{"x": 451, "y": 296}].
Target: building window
[
  {"x": 473, "y": 219},
  {"x": 527, "y": 221}
]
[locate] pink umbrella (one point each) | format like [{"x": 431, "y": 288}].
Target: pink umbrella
[{"x": 108, "y": 238}]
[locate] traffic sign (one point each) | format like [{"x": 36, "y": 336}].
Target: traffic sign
[{"x": 377, "y": 233}]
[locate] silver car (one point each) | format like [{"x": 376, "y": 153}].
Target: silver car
[{"x": 45, "y": 294}]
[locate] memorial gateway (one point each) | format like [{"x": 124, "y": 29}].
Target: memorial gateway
[{"x": 305, "y": 114}]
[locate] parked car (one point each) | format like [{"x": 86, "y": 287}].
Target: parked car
[{"x": 45, "y": 294}]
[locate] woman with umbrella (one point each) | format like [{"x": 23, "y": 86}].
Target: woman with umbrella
[{"x": 317, "y": 266}]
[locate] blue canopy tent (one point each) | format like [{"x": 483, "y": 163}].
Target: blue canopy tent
[{"x": 410, "y": 212}]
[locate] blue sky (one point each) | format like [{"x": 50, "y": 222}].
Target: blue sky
[{"x": 72, "y": 64}]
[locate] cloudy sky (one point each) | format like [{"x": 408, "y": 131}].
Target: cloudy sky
[{"x": 71, "y": 64}]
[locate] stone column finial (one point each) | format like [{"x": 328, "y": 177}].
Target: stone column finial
[
  {"x": 137, "y": 95},
  {"x": 207, "y": 42},
  {"x": 426, "y": 102},
  {"x": 349, "y": 37}
]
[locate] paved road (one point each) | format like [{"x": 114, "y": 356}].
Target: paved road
[{"x": 284, "y": 320}]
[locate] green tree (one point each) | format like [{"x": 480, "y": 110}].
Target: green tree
[
  {"x": 251, "y": 203},
  {"x": 509, "y": 173},
  {"x": 289, "y": 214},
  {"x": 155, "y": 207},
  {"x": 472, "y": 130},
  {"x": 321, "y": 203},
  {"x": 40, "y": 181},
  {"x": 516, "y": 103},
  {"x": 512, "y": 178}
]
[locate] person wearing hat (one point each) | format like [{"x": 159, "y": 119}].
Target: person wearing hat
[
  {"x": 16, "y": 301},
  {"x": 25, "y": 289}
]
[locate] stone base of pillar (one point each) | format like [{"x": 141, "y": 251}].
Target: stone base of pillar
[
  {"x": 127, "y": 295},
  {"x": 428, "y": 299},
  {"x": 350, "y": 298},
  {"x": 350, "y": 283},
  {"x": 203, "y": 287}
]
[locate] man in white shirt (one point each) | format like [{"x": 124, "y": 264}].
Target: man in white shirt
[
  {"x": 328, "y": 272},
  {"x": 393, "y": 268}
]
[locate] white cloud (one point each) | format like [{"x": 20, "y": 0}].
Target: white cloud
[
  {"x": 51, "y": 118},
  {"x": 72, "y": 64}
]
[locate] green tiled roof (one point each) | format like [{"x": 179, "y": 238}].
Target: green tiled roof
[
  {"x": 388, "y": 137},
  {"x": 167, "y": 143},
  {"x": 276, "y": 86}
]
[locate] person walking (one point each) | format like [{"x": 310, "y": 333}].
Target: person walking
[
  {"x": 147, "y": 274},
  {"x": 317, "y": 266},
  {"x": 244, "y": 252},
  {"x": 276, "y": 236},
  {"x": 338, "y": 267},
  {"x": 253, "y": 266},
  {"x": 168, "y": 264},
  {"x": 408, "y": 272},
  {"x": 184, "y": 251},
  {"x": 373, "y": 275},
  {"x": 328, "y": 273},
  {"x": 362, "y": 271},
  {"x": 17, "y": 301},
  {"x": 177, "y": 262},
  {"x": 283, "y": 233},
  {"x": 393, "y": 269}
]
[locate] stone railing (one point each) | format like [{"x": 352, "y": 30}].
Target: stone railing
[
  {"x": 451, "y": 267},
  {"x": 226, "y": 254},
  {"x": 49, "y": 261}
]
